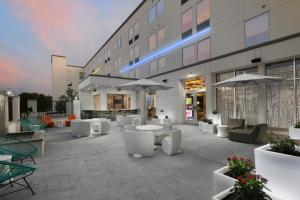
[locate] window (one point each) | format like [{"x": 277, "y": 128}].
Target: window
[
  {"x": 152, "y": 41},
  {"x": 204, "y": 49},
  {"x": 203, "y": 13},
  {"x": 184, "y": 1},
  {"x": 130, "y": 35},
  {"x": 160, "y": 8},
  {"x": 161, "y": 36},
  {"x": 187, "y": 23},
  {"x": 188, "y": 55},
  {"x": 131, "y": 56},
  {"x": 161, "y": 64},
  {"x": 153, "y": 67},
  {"x": 257, "y": 30},
  {"x": 152, "y": 14},
  {"x": 136, "y": 53},
  {"x": 136, "y": 31},
  {"x": 81, "y": 75}
]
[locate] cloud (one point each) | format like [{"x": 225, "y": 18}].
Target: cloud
[
  {"x": 10, "y": 73},
  {"x": 53, "y": 22}
]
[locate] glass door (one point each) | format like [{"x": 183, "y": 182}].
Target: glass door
[{"x": 195, "y": 107}]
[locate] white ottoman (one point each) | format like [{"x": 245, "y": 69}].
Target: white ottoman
[{"x": 222, "y": 131}]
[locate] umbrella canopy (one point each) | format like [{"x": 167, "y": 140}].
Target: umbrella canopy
[
  {"x": 144, "y": 84},
  {"x": 248, "y": 79}
]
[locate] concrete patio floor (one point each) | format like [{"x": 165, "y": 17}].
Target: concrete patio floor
[{"x": 97, "y": 168}]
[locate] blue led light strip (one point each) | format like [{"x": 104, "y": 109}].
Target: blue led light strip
[{"x": 165, "y": 50}]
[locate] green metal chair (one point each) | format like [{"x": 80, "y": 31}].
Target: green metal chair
[
  {"x": 20, "y": 150},
  {"x": 13, "y": 173},
  {"x": 31, "y": 124}
]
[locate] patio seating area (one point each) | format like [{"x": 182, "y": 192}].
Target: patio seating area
[{"x": 98, "y": 166}]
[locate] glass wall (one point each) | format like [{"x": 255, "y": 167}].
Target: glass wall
[
  {"x": 246, "y": 99},
  {"x": 225, "y": 98},
  {"x": 281, "y": 96}
]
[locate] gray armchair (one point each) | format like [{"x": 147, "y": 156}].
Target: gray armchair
[
  {"x": 235, "y": 124},
  {"x": 249, "y": 134}
]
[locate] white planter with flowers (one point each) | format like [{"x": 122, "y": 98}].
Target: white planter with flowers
[
  {"x": 222, "y": 181},
  {"x": 281, "y": 170},
  {"x": 294, "y": 133}
]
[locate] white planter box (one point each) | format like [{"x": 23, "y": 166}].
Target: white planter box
[
  {"x": 201, "y": 125},
  {"x": 222, "y": 181},
  {"x": 282, "y": 172},
  {"x": 216, "y": 118},
  {"x": 294, "y": 133},
  {"x": 210, "y": 128},
  {"x": 226, "y": 192}
]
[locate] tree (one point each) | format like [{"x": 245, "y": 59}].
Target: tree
[{"x": 69, "y": 95}]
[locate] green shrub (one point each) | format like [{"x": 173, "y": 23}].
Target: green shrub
[
  {"x": 282, "y": 145},
  {"x": 239, "y": 166},
  {"x": 297, "y": 125}
]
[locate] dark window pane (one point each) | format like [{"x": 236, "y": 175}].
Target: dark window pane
[
  {"x": 203, "y": 25},
  {"x": 187, "y": 34}
]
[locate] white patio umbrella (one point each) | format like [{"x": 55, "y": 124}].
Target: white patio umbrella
[
  {"x": 144, "y": 85},
  {"x": 248, "y": 79}
]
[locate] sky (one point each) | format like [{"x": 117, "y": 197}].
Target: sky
[{"x": 32, "y": 30}]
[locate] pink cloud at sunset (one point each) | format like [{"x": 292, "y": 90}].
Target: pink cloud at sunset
[
  {"x": 54, "y": 22},
  {"x": 10, "y": 73}
]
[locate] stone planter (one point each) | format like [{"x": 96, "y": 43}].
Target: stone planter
[
  {"x": 226, "y": 192},
  {"x": 209, "y": 128},
  {"x": 294, "y": 133},
  {"x": 201, "y": 123},
  {"x": 222, "y": 181},
  {"x": 216, "y": 118},
  {"x": 281, "y": 171}
]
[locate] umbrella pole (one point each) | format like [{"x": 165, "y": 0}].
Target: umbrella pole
[
  {"x": 245, "y": 105},
  {"x": 144, "y": 107}
]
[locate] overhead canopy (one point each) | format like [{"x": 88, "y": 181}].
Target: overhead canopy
[
  {"x": 145, "y": 85},
  {"x": 248, "y": 79}
]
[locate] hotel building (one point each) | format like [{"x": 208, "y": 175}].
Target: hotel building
[{"x": 191, "y": 44}]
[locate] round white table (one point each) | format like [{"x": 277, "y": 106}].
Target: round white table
[
  {"x": 222, "y": 131},
  {"x": 149, "y": 127}
]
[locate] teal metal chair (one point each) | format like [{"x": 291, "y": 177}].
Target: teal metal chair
[
  {"x": 31, "y": 124},
  {"x": 15, "y": 173},
  {"x": 18, "y": 149}
]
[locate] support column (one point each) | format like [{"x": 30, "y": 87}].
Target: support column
[
  {"x": 262, "y": 97},
  {"x": 210, "y": 94},
  {"x": 16, "y": 108}
]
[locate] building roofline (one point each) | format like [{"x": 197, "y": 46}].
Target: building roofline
[
  {"x": 128, "y": 18},
  {"x": 53, "y": 55},
  {"x": 75, "y": 66},
  {"x": 105, "y": 76}
]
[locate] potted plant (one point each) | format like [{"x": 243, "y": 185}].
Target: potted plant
[
  {"x": 201, "y": 123},
  {"x": 294, "y": 132},
  {"x": 279, "y": 162},
  {"x": 226, "y": 177},
  {"x": 210, "y": 127},
  {"x": 248, "y": 187}
]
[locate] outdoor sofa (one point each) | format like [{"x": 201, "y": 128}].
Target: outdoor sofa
[{"x": 249, "y": 134}]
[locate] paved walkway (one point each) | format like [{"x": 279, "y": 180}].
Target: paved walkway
[{"x": 97, "y": 168}]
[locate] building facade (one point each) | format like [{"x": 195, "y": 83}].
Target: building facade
[
  {"x": 191, "y": 44},
  {"x": 64, "y": 75}
]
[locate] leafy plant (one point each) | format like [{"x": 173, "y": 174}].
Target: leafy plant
[
  {"x": 250, "y": 187},
  {"x": 205, "y": 120},
  {"x": 239, "y": 166},
  {"x": 210, "y": 121},
  {"x": 297, "y": 125},
  {"x": 282, "y": 145},
  {"x": 215, "y": 112}
]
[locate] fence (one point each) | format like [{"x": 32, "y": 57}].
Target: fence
[{"x": 54, "y": 109}]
